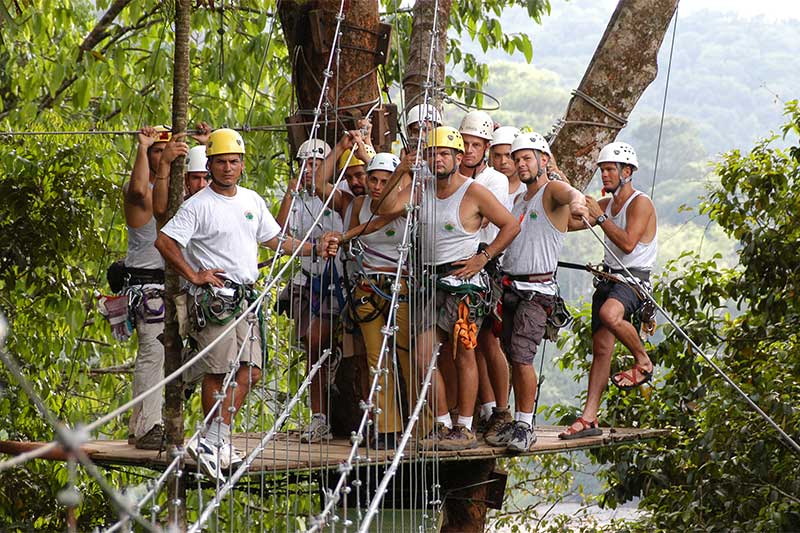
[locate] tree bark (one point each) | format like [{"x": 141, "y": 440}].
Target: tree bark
[
  {"x": 464, "y": 492},
  {"x": 308, "y": 28},
  {"x": 173, "y": 404},
  {"x": 623, "y": 66},
  {"x": 419, "y": 49}
]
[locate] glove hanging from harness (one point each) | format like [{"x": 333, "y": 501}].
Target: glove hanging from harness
[{"x": 465, "y": 330}]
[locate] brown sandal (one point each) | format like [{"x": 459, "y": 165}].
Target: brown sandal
[
  {"x": 588, "y": 429},
  {"x": 629, "y": 375}
]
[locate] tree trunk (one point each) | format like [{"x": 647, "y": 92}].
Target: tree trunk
[
  {"x": 173, "y": 405},
  {"x": 464, "y": 492},
  {"x": 419, "y": 50},
  {"x": 308, "y": 28},
  {"x": 624, "y": 64}
]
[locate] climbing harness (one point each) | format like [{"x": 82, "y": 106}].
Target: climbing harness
[{"x": 644, "y": 317}]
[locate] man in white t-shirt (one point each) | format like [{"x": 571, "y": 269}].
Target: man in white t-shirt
[
  {"x": 477, "y": 129},
  {"x": 212, "y": 241}
]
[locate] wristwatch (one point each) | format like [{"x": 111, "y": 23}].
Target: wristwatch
[{"x": 602, "y": 218}]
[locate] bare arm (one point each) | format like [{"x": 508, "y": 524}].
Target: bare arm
[
  {"x": 563, "y": 195},
  {"x": 326, "y": 247},
  {"x": 283, "y": 212},
  {"x": 174, "y": 148},
  {"x": 489, "y": 207},
  {"x": 172, "y": 254},
  {"x": 639, "y": 213},
  {"x": 137, "y": 198}
]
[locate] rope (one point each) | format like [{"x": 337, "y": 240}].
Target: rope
[
  {"x": 261, "y": 68},
  {"x": 789, "y": 441},
  {"x": 664, "y": 102},
  {"x": 347, "y": 466},
  {"x": 70, "y": 439}
]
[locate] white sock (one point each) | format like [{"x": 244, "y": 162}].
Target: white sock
[
  {"x": 218, "y": 432},
  {"x": 446, "y": 420},
  {"x": 524, "y": 417},
  {"x": 465, "y": 421},
  {"x": 486, "y": 410},
  {"x": 323, "y": 416}
]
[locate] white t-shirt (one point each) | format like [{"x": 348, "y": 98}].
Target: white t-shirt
[
  {"x": 497, "y": 184},
  {"x": 224, "y": 232}
]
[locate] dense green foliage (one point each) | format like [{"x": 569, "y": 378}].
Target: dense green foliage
[{"x": 722, "y": 468}]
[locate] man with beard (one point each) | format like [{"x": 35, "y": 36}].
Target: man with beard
[
  {"x": 529, "y": 284},
  {"x": 452, "y": 215}
]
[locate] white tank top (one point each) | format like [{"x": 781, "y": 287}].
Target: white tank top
[
  {"x": 306, "y": 208},
  {"x": 497, "y": 183},
  {"x": 142, "y": 252},
  {"x": 643, "y": 256},
  {"x": 380, "y": 247},
  {"x": 450, "y": 240},
  {"x": 537, "y": 247}
]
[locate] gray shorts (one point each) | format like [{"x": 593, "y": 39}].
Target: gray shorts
[
  {"x": 442, "y": 312},
  {"x": 300, "y": 304},
  {"x": 218, "y": 360},
  {"x": 524, "y": 324}
]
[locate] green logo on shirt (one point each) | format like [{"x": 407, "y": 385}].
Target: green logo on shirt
[
  {"x": 390, "y": 233},
  {"x": 327, "y": 212},
  {"x": 248, "y": 215},
  {"x": 534, "y": 216},
  {"x": 449, "y": 227}
]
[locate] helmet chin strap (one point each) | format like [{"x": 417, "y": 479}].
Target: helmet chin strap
[{"x": 622, "y": 181}]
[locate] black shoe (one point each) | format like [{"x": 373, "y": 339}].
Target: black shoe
[
  {"x": 152, "y": 440},
  {"x": 386, "y": 441}
]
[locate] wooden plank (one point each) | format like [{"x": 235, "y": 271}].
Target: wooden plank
[{"x": 287, "y": 453}]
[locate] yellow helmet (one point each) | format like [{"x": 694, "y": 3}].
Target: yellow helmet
[
  {"x": 224, "y": 141},
  {"x": 164, "y": 134},
  {"x": 446, "y": 137},
  {"x": 354, "y": 161}
]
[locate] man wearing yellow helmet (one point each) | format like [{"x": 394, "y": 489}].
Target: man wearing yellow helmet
[
  {"x": 212, "y": 241},
  {"x": 144, "y": 269},
  {"x": 456, "y": 209}
]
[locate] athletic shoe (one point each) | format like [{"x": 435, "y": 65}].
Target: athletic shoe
[
  {"x": 316, "y": 430},
  {"x": 522, "y": 437},
  {"x": 229, "y": 456},
  {"x": 152, "y": 440},
  {"x": 499, "y": 418},
  {"x": 207, "y": 457},
  {"x": 435, "y": 437},
  {"x": 502, "y": 436},
  {"x": 459, "y": 438}
]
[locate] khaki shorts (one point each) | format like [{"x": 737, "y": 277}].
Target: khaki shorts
[
  {"x": 524, "y": 324},
  {"x": 218, "y": 360}
]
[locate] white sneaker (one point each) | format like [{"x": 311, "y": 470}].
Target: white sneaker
[
  {"x": 229, "y": 456},
  {"x": 207, "y": 458},
  {"x": 316, "y": 430}
]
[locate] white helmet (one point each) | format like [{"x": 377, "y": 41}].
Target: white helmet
[
  {"x": 478, "y": 124},
  {"x": 196, "y": 160},
  {"x": 531, "y": 141},
  {"x": 316, "y": 148},
  {"x": 383, "y": 161},
  {"x": 618, "y": 152},
  {"x": 504, "y": 135},
  {"x": 422, "y": 112}
]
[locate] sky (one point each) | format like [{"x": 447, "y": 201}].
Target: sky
[{"x": 770, "y": 9}]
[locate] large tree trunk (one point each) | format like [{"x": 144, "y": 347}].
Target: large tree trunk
[
  {"x": 419, "y": 50},
  {"x": 173, "y": 405},
  {"x": 623, "y": 65},
  {"x": 308, "y": 28}
]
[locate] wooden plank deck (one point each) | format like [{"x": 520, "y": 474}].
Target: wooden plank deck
[{"x": 286, "y": 453}]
